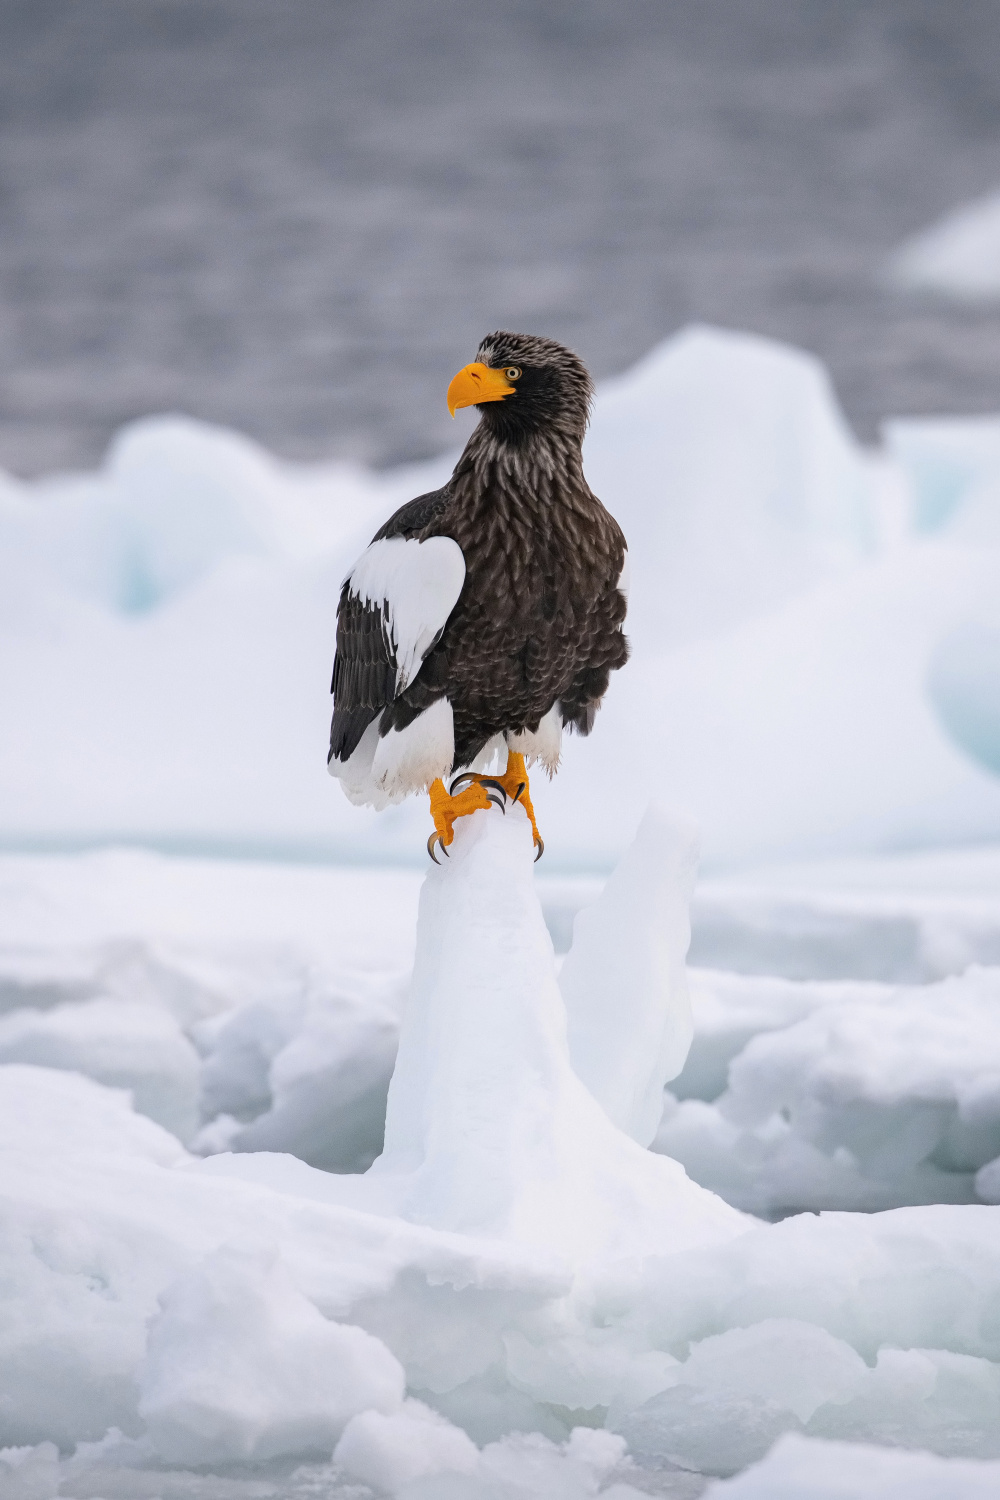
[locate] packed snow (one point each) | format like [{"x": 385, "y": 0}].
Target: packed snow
[
  {"x": 335, "y": 1178},
  {"x": 821, "y": 1095},
  {"x": 916, "y": 917},
  {"x": 257, "y": 1008},
  {"x": 800, "y": 1469},
  {"x": 814, "y": 637}
]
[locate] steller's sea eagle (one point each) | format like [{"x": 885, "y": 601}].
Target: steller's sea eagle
[{"x": 485, "y": 616}]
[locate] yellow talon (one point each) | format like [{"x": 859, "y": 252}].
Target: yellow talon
[
  {"x": 477, "y": 792},
  {"x": 515, "y": 783},
  {"x": 445, "y": 809}
]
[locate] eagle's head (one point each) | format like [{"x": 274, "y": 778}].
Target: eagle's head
[{"x": 524, "y": 384}]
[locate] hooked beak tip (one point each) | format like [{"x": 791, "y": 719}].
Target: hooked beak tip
[{"x": 476, "y": 384}]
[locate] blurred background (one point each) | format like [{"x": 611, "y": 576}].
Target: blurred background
[{"x": 295, "y": 217}]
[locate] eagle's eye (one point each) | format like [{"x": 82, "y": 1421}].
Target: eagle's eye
[{"x": 512, "y": 372}]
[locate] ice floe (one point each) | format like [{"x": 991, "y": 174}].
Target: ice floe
[
  {"x": 824, "y": 1095},
  {"x": 800, "y": 1469},
  {"x": 517, "y": 1300},
  {"x": 958, "y": 256},
  {"x": 261, "y": 1010}
]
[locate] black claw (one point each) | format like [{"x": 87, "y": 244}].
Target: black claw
[
  {"x": 540, "y": 846},
  {"x": 494, "y": 790},
  {"x": 435, "y": 838},
  {"x": 520, "y": 789}
]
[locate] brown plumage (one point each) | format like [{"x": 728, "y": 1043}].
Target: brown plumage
[{"x": 539, "y": 618}]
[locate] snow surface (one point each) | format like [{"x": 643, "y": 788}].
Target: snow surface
[
  {"x": 813, "y": 667},
  {"x": 826, "y": 1095},
  {"x": 256, "y": 1008},
  {"x": 914, "y": 918},
  {"x": 803, "y": 1469},
  {"x": 958, "y": 257},
  {"x": 518, "y": 1301},
  {"x": 239, "y": 1364}
]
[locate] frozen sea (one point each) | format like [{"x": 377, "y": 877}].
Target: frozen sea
[{"x": 201, "y": 1300}]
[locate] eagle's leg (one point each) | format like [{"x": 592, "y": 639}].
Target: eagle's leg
[
  {"x": 445, "y": 808},
  {"x": 515, "y": 783}
]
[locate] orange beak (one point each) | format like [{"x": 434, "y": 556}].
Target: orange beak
[{"x": 476, "y": 384}]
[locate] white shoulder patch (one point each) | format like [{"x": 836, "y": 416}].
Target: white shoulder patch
[
  {"x": 625, "y": 576},
  {"x": 416, "y": 586}
]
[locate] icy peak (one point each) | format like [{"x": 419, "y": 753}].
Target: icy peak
[{"x": 489, "y": 1130}]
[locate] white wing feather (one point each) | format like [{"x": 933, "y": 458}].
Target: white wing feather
[
  {"x": 625, "y": 576},
  {"x": 416, "y": 586}
]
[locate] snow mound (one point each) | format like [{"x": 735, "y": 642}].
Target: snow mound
[
  {"x": 118, "y": 1042},
  {"x": 104, "y": 1213},
  {"x": 522, "y": 1467},
  {"x": 240, "y": 1365},
  {"x": 959, "y": 256},
  {"x": 665, "y": 447},
  {"x": 909, "y": 918},
  {"x": 844, "y": 1326},
  {"x": 809, "y": 1469},
  {"x": 244, "y": 1007},
  {"x": 324, "y": 1084},
  {"x": 389, "y": 1451},
  {"x": 846, "y": 1095},
  {"x": 488, "y": 1128},
  {"x": 951, "y": 469}
]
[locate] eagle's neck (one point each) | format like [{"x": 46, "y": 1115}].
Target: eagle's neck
[{"x": 542, "y": 470}]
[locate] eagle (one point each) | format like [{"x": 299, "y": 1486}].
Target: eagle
[{"x": 485, "y": 618}]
